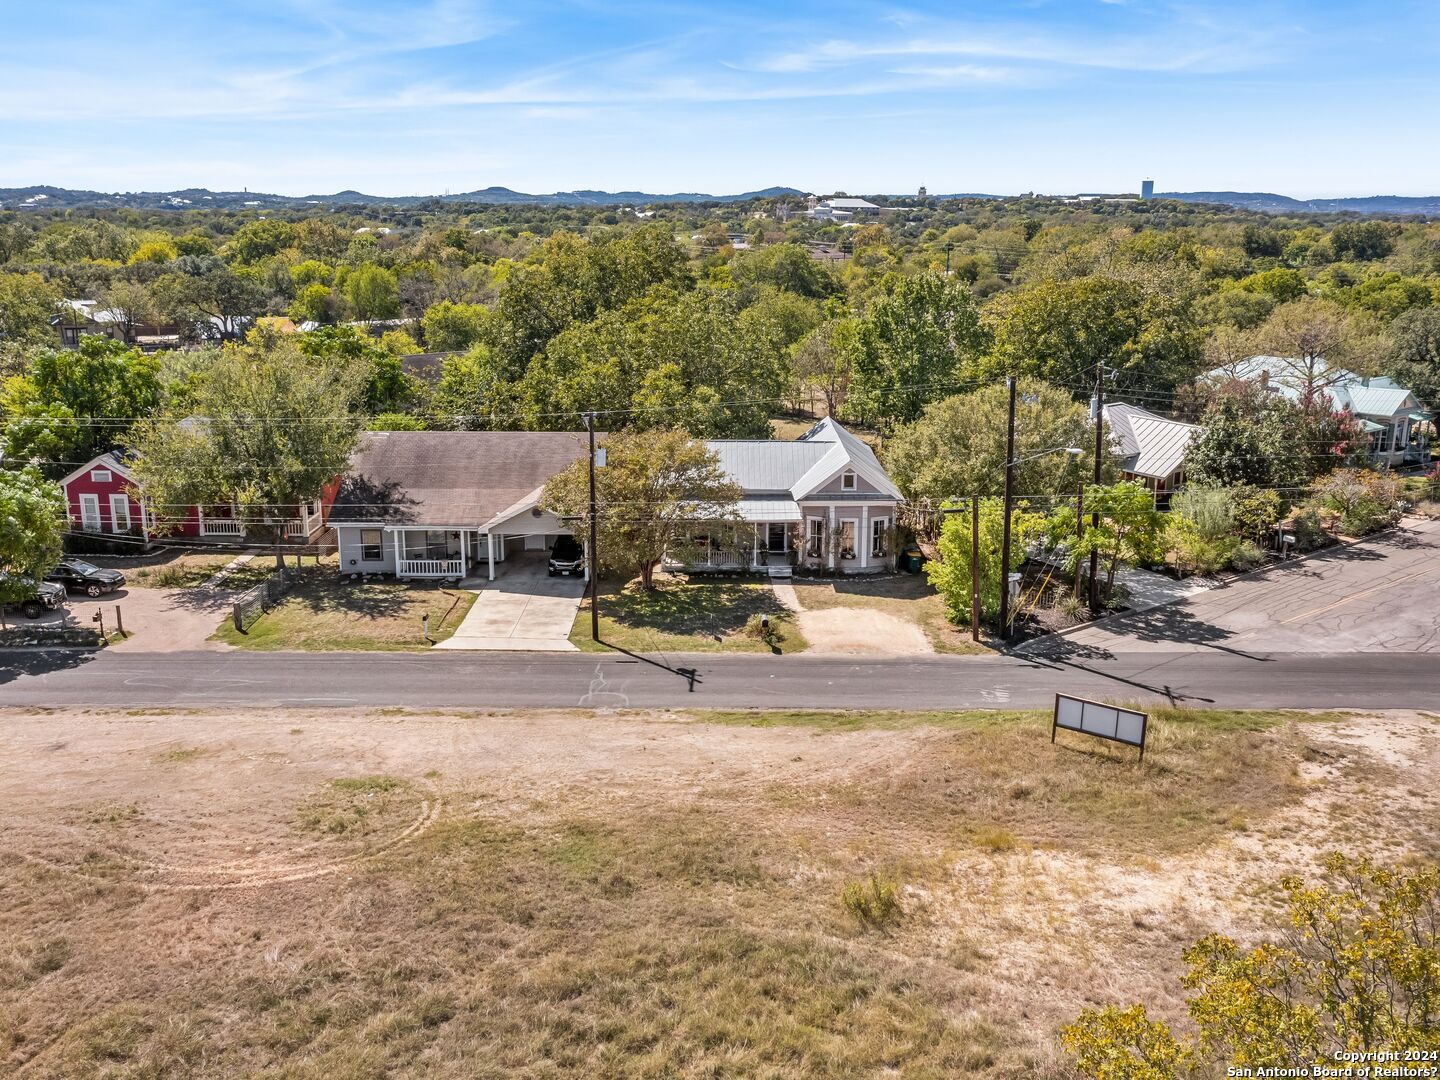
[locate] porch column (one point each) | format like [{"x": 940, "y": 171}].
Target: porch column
[
  {"x": 490, "y": 553},
  {"x": 863, "y": 540},
  {"x": 830, "y": 540},
  {"x": 755, "y": 538}
]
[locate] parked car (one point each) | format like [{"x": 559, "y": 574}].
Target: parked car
[
  {"x": 44, "y": 596},
  {"x": 567, "y": 557},
  {"x": 77, "y": 575}
]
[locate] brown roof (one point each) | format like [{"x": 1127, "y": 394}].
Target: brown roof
[{"x": 449, "y": 478}]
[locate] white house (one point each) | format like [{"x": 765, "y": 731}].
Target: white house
[{"x": 1394, "y": 419}]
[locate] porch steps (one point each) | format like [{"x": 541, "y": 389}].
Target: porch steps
[{"x": 779, "y": 573}]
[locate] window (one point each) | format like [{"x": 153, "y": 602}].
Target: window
[
  {"x": 847, "y": 539},
  {"x": 815, "y": 538},
  {"x": 119, "y": 513},
  {"x": 847, "y": 482},
  {"x": 100, "y": 476},
  {"x": 90, "y": 513},
  {"x": 878, "y": 528},
  {"x": 370, "y": 545},
  {"x": 437, "y": 544}
]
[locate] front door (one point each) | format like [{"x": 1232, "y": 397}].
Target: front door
[{"x": 777, "y": 538}]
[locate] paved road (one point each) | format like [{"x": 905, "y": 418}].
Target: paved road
[
  {"x": 481, "y": 680},
  {"x": 1353, "y": 628},
  {"x": 1381, "y": 596}
]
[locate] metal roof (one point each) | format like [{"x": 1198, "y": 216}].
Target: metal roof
[
  {"x": 1150, "y": 445},
  {"x": 762, "y": 509},
  {"x": 766, "y": 464},
  {"x": 1379, "y": 396}
]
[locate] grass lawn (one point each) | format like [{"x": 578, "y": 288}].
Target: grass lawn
[
  {"x": 175, "y": 568},
  {"x": 697, "y": 615},
  {"x": 646, "y": 894},
  {"x": 324, "y": 613},
  {"x": 906, "y": 596}
]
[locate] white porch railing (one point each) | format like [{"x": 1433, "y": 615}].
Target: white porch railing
[
  {"x": 221, "y": 527},
  {"x": 437, "y": 568},
  {"x": 301, "y": 527}
]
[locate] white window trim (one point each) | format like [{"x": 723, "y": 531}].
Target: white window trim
[
  {"x": 101, "y": 476},
  {"x": 361, "y": 545},
  {"x": 848, "y": 481},
  {"x": 878, "y": 527},
  {"x": 119, "y": 508},
  {"x": 90, "y": 513},
  {"x": 810, "y": 536}
]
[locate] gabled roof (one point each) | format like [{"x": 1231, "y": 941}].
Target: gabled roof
[
  {"x": 800, "y": 468},
  {"x": 449, "y": 478},
  {"x": 1150, "y": 445},
  {"x": 1380, "y": 396},
  {"x": 103, "y": 461}
]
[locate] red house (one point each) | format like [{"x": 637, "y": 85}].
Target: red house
[{"x": 103, "y": 499}]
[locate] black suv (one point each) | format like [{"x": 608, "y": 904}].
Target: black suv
[
  {"x": 567, "y": 556},
  {"x": 77, "y": 575},
  {"x": 43, "y": 596}
]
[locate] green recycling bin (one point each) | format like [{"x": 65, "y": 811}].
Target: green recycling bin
[{"x": 912, "y": 559}]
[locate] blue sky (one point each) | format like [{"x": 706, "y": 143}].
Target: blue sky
[{"x": 1305, "y": 97}]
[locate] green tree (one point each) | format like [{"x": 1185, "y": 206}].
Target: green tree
[
  {"x": 32, "y": 520},
  {"x": 27, "y": 301},
  {"x": 76, "y": 403},
  {"x": 950, "y": 574},
  {"x": 386, "y": 386},
  {"x": 313, "y": 303},
  {"x": 131, "y": 304},
  {"x": 919, "y": 338},
  {"x": 655, "y": 485},
  {"x": 1131, "y": 530},
  {"x": 1415, "y": 353},
  {"x": 258, "y": 240},
  {"x": 450, "y": 327},
  {"x": 373, "y": 292},
  {"x": 1363, "y": 241},
  {"x": 1357, "y": 968},
  {"x": 788, "y": 267},
  {"x": 824, "y": 361},
  {"x": 272, "y": 428},
  {"x": 216, "y": 303},
  {"x": 473, "y": 394},
  {"x": 957, "y": 447}
]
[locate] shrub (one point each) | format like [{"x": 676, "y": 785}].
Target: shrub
[
  {"x": 1193, "y": 552},
  {"x": 874, "y": 902},
  {"x": 1308, "y": 531},
  {"x": 1257, "y": 511},
  {"x": 1364, "y": 501},
  {"x": 1210, "y": 509},
  {"x": 1247, "y": 555},
  {"x": 764, "y": 628}
]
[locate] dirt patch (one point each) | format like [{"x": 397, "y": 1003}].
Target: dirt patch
[
  {"x": 853, "y": 631},
  {"x": 315, "y": 893}
]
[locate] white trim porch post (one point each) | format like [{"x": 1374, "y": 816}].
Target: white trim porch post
[
  {"x": 830, "y": 541},
  {"x": 755, "y": 550},
  {"x": 490, "y": 552},
  {"x": 863, "y": 540}
]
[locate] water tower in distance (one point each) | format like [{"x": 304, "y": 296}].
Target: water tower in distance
[{"x": 1147, "y": 189}]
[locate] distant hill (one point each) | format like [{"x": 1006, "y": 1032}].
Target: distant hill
[
  {"x": 1269, "y": 203},
  {"x": 42, "y": 196}
]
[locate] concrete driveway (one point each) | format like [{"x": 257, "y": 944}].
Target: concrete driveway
[
  {"x": 522, "y": 610},
  {"x": 1377, "y": 596}
]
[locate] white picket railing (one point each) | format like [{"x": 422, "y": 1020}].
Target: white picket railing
[
  {"x": 435, "y": 568},
  {"x": 221, "y": 527}
]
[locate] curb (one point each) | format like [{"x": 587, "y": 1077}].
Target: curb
[{"x": 1246, "y": 576}]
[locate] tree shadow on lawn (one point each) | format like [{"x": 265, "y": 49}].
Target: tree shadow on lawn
[
  {"x": 888, "y": 587},
  {"x": 693, "y": 608},
  {"x": 326, "y": 593}
]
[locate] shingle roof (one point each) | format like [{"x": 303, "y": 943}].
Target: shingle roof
[
  {"x": 449, "y": 477},
  {"x": 1150, "y": 445}
]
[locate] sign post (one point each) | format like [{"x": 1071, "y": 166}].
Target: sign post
[{"x": 1103, "y": 721}]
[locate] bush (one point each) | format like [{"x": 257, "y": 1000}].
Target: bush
[
  {"x": 764, "y": 628},
  {"x": 1193, "y": 552},
  {"x": 1308, "y": 531},
  {"x": 1257, "y": 511},
  {"x": 1364, "y": 501},
  {"x": 1247, "y": 555},
  {"x": 874, "y": 902}
]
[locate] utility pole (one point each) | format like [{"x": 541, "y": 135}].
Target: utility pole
[
  {"x": 1005, "y": 533},
  {"x": 593, "y": 549},
  {"x": 1079, "y": 532},
  {"x": 974, "y": 567},
  {"x": 948, "y": 248},
  {"x": 1099, "y": 456}
]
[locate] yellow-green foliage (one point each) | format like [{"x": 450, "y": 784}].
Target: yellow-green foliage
[
  {"x": 1357, "y": 968},
  {"x": 875, "y": 901}
]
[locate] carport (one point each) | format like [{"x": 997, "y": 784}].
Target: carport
[{"x": 522, "y": 526}]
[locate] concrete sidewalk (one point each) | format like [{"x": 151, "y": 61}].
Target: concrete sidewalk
[{"x": 522, "y": 610}]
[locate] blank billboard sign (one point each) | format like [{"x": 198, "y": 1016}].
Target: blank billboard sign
[{"x": 1101, "y": 720}]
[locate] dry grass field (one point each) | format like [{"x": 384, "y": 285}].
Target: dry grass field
[{"x": 322, "y": 894}]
